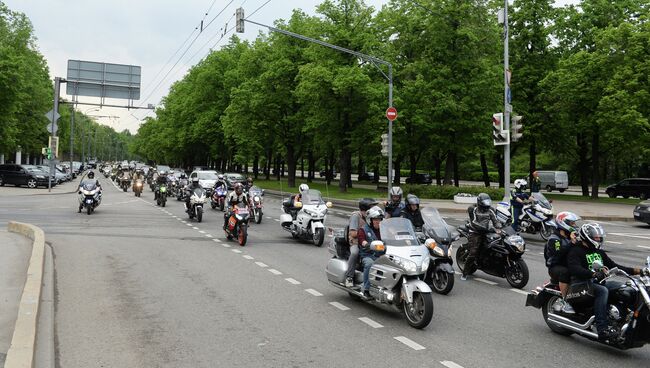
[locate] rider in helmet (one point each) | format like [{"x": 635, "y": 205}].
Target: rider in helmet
[
  {"x": 580, "y": 261},
  {"x": 395, "y": 205},
  {"x": 366, "y": 235},
  {"x": 89, "y": 176},
  {"x": 160, "y": 180},
  {"x": 249, "y": 184},
  {"x": 555, "y": 253},
  {"x": 234, "y": 198},
  {"x": 357, "y": 220},
  {"x": 518, "y": 197},
  {"x": 221, "y": 182},
  {"x": 482, "y": 219},
  {"x": 194, "y": 184},
  {"x": 412, "y": 211},
  {"x": 301, "y": 190}
]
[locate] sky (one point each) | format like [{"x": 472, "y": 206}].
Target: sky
[{"x": 146, "y": 33}]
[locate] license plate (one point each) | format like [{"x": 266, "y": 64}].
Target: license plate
[{"x": 636, "y": 214}]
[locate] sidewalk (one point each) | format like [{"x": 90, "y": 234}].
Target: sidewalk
[{"x": 16, "y": 251}]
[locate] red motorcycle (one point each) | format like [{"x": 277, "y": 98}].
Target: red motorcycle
[{"x": 237, "y": 226}]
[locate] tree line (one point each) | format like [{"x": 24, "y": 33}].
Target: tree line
[{"x": 580, "y": 78}]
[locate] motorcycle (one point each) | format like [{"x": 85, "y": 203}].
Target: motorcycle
[
  {"x": 90, "y": 196},
  {"x": 197, "y": 199},
  {"x": 218, "y": 198},
  {"x": 137, "y": 187},
  {"x": 161, "y": 195},
  {"x": 628, "y": 309},
  {"x": 438, "y": 236},
  {"x": 107, "y": 172},
  {"x": 501, "y": 256},
  {"x": 255, "y": 195},
  {"x": 309, "y": 217},
  {"x": 237, "y": 226},
  {"x": 125, "y": 183},
  {"x": 537, "y": 217},
  {"x": 180, "y": 193},
  {"x": 395, "y": 277}
]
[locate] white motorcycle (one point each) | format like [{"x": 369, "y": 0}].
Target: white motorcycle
[
  {"x": 197, "y": 200},
  {"x": 305, "y": 219},
  {"x": 90, "y": 196},
  {"x": 537, "y": 217}
]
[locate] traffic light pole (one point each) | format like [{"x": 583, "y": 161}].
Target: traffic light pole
[
  {"x": 55, "y": 112},
  {"x": 506, "y": 103}
]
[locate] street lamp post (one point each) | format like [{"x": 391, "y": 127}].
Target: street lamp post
[{"x": 83, "y": 135}]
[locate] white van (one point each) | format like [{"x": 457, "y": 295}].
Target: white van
[{"x": 554, "y": 180}]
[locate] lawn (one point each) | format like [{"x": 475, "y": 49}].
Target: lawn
[{"x": 333, "y": 190}]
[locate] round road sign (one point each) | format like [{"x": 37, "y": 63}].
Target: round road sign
[{"x": 391, "y": 113}]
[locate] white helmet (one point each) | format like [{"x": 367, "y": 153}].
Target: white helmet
[
  {"x": 374, "y": 212},
  {"x": 303, "y": 188},
  {"x": 521, "y": 184},
  {"x": 396, "y": 191}
]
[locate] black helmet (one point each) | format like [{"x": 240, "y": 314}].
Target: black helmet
[
  {"x": 593, "y": 234},
  {"x": 483, "y": 201},
  {"x": 412, "y": 199},
  {"x": 366, "y": 203},
  {"x": 91, "y": 175},
  {"x": 195, "y": 180}
]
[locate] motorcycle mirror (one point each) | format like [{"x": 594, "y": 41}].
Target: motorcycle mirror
[
  {"x": 596, "y": 266},
  {"x": 262, "y": 192},
  {"x": 328, "y": 204},
  {"x": 550, "y": 201}
]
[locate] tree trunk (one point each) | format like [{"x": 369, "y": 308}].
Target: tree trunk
[
  {"x": 349, "y": 176},
  {"x": 595, "y": 162},
  {"x": 449, "y": 168},
  {"x": 277, "y": 167},
  {"x": 269, "y": 161},
  {"x": 256, "y": 166},
  {"x": 498, "y": 162},
  {"x": 437, "y": 163},
  {"x": 310, "y": 166},
  {"x": 484, "y": 169},
  {"x": 291, "y": 163},
  {"x": 583, "y": 164},
  {"x": 344, "y": 161},
  {"x": 302, "y": 167},
  {"x": 397, "y": 166},
  {"x": 360, "y": 167},
  {"x": 456, "y": 174},
  {"x": 375, "y": 178},
  {"x": 413, "y": 161}
]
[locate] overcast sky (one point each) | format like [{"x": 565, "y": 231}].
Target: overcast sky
[{"x": 145, "y": 33}]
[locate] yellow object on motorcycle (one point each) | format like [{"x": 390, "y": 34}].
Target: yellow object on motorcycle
[{"x": 298, "y": 204}]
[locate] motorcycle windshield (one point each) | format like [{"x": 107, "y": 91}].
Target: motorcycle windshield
[
  {"x": 198, "y": 191},
  {"x": 241, "y": 208},
  {"x": 539, "y": 198},
  {"x": 255, "y": 191},
  {"x": 433, "y": 222},
  {"x": 89, "y": 184},
  {"x": 397, "y": 231},
  {"x": 312, "y": 197}
]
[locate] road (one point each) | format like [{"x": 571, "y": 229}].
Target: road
[{"x": 142, "y": 286}]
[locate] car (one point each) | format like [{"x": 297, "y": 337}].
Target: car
[
  {"x": 420, "y": 179},
  {"x": 23, "y": 175},
  {"x": 232, "y": 178},
  {"x": 632, "y": 187},
  {"x": 164, "y": 168},
  {"x": 59, "y": 177},
  {"x": 207, "y": 178},
  {"x": 553, "y": 180},
  {"x": 642, "y": 212},
  {"x": 323, "y": 172},
  {"x": 368, "y": 176}
]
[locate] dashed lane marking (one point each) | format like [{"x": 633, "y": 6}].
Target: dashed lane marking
[
  {"x": 410, "y": 343},
  {"x": 261, "y": 264},
  {"x": 293, "y": 281},
  {"x": 643, "y": 246},
  {"x": 522, "y": 292},
  {"x": 637, "y": 236},
  {"x": 247, "y": 256},
  {"x": 370, "y": 322},
  {"x": 274, "y": 271},
  {"x": 216, "y": 240},
  {"x": 339, "y": 306},
  {"x": 276, "y": 220},
  {"x": 485, "y": 281},
  {"x": 613, "y": 242},
  {"x": 195, "y": 228},
  {"x": 190, "y": 225},
  {"x": 313, "y": 292},
  {"x": 236, "y": 251},
  {"x": 269, "y": 217},
  {"x": 225, "y": 245},
  {"x": 208, "y": 235},
  {"x": 202, "y": 232},
  {"x": 450, "y": 364}
]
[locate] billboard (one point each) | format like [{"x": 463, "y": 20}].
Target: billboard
[{"x": 103, "y": 80}]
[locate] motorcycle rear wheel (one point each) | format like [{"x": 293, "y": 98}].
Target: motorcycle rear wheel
[
  {"x": 163, "y": 201},
  {"x": 557, "y": 329},
  {"x": 517, "y": 275},
  {"x": 421, "y": 312},
  {"x": 221, "y": 205},
  {"x": 258, "y": 216}
]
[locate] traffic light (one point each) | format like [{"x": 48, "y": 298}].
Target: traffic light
[
  {"x": 49, "y": 153},
  {"x": 239, "y": 20},
  {"x": 384, "y": 144},
  {"x": 517, "y": 128},
  {"x": 500, "y": 136}
]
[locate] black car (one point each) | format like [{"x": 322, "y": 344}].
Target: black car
[
  {"x": 368, "y": 176},
  {"x": 642, "y": 212},
  {"x": 20, "y": 175},
  {"x": 635, "y": 187},
  {"x": 420, "y": 179},
  {"x": 323, "y": 173}
]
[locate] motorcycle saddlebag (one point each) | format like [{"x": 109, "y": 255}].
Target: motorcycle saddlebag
[{"x": 581, "y": 294}]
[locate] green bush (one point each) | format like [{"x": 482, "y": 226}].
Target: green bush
[
  {"x": 448, "y": 191},
  {"x": 494, "y": 176}
]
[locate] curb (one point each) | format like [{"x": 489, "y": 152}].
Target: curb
[{"x": 23, "y": 343}]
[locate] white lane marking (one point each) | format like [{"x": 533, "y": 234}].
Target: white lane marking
[
  {"x": 313, "y": 292},
  {"x": 339, "y": 306},
  {"x": 208, "y": 235},
  {"x": 613, "y": 242},
  {"x": 190, "y": 225},
  {"x": 522, "y": 292},
  {"x": 643, "y": 246},
  {"x": 370, "y": 322},
  {"x": 485, "y": 281},
  {"x": 269, "y": 217},
  {"x": 247, "y": 256},
  {"x": 450, "y": 364},
  {"x": 293, "y": 281},
  {"x": 236, "y": 251},
  {"x": 637, "y": 236},
  {"x": 541, "y": 253},
  {"x": 202, "y": 232},
  {"x": 261, "y": 264},
  {"x": 274, "y": 271},
  {"x": 195, "y": 228},
  {"x": 410, "y": 343},
  {"x": 226, "y": 245},
  {"x": 216, "y": 240},
  {"x": 276, "y": 220}
]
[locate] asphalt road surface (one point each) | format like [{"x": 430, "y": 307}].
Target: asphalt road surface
[{"x": 142, "y": 286}]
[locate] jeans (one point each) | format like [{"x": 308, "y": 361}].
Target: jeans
[
  {"x": 367, "y": 262},
  {"x": 352, "y": 261},
  {"x": 601, "y": 293},
  {"x": 516, "y": 212}
]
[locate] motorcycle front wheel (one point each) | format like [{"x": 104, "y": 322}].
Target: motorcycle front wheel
[
  {"x": 258, "y": 216},
  {"x": 242, "y": 237},
  {"x": 517, "y": 274},
  {"x": 199, "y": 214},
  {"x": 420, "y": 312},
  {"x": 89, "y": 209},
  {"x": 319, "y": 237},
  {"x": 442, "y": 282},
  {"x": 461, "y": 258},
  {"x": 163, "y": 201}
]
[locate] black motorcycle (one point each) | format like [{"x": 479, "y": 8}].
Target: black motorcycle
[
  {"x": 438, "y": 236},
  {"x": 628, "y": 308},
  {"x": 501, "y": 256}
]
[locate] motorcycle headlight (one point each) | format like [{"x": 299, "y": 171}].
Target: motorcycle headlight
[
  {"x": 87, "y": 192},
  {"x": 256, "y": 199},
  {"x": 438, "y": 251},
  {"x": 425, "y": 264},
  {"x": 517, "y": 242},
  {"x": 239, "y": 217},
  {"x": 407, "y": 264}
]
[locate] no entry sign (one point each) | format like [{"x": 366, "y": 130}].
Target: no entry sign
[{"x": 391, "y": 113}]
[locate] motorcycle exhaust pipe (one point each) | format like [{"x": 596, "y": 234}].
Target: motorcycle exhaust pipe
[{"x": 573, "y": 326}]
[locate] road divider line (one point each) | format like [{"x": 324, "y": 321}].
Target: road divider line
[
  {"x": 226, "y": 245},
  {"x": 370, "y": 322},
  {"x": 485, "y": 281},
  {"x": 339, "y": 306},
  {"x": 522, "y": 292},
  {"x": 450, "y": 364},
  {"x": 613, "y": 242},
  {"x": 190, "y": 225},
  {"x": 236, "y": 251},
  {"x": 263, "y": 265},
  {"x": 202, "y": 232},
  {"x": 276, "y": 220},
  {"x": 643, "y": 246},
  {"x": 274, "y": 271},
  {"x": 247, "y": 256},
  {"x": 293, "y": 281},
  {"x": 216, "y": 240},
  {"x": 313, "y": 292},
  {"x": 195, "y": 228},
  {"x": 410, "y": 343}
]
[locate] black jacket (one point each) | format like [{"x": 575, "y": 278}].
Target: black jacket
[
  {"x": 556, "y": 250},
  {"x": 580, "y": 259},
  {"x": 479, "y": 221},
  {"x": 414, "y": 217}
]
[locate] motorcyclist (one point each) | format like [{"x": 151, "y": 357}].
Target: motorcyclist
[
  {"x": 395, "y": 206},
  {"x": 90, "y": 176},
  {"x": 580, "y": 261},
  {"x": 357, "y": 220},
  {"x": 234, "y": 198},
  {"x": 555, "y": 253},
  {"x": 518, "y": 197},
  {"x": 412, "y": 212},
  {"x": 291, "y": 205},
  {"x": 194, "y": 184},
  {"x": 161, "y": 179},
  {"x": 249, "y": 184},
  {"x": 481, "y": 216},
  {"x": 366, "y": 235},
  {"x": 221, "y": 182}
]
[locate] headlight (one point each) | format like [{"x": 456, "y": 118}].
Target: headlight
[
  {"x": 518, "y": 242},
  {"x": 239, "y": 217},
  {"x": 87, "y": 192},
  {"x": 256, "y": 199},
  {"x": 425, "y": 264},
  {"x": 438, "y": 251},
  {"x": 407, "y": 264}
]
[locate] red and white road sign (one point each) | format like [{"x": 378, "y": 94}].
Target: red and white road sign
[{"x": 391, "y": 113}]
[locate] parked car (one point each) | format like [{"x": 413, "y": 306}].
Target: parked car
[
  {"x": 232, "y": 178},
  {"x": 420, "y": 179},
  {"x": 164, "y": 168},
  {"x": 59, "y": 177},
  {"x": 634, "y": 187},
  {"x": 23, "y": 175},
  {"x": 368, "y": 176},
  {"x": 323, "y": 172},
  {"x": 553, "y": 180},
  {"x": 642, "y": 212}
]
